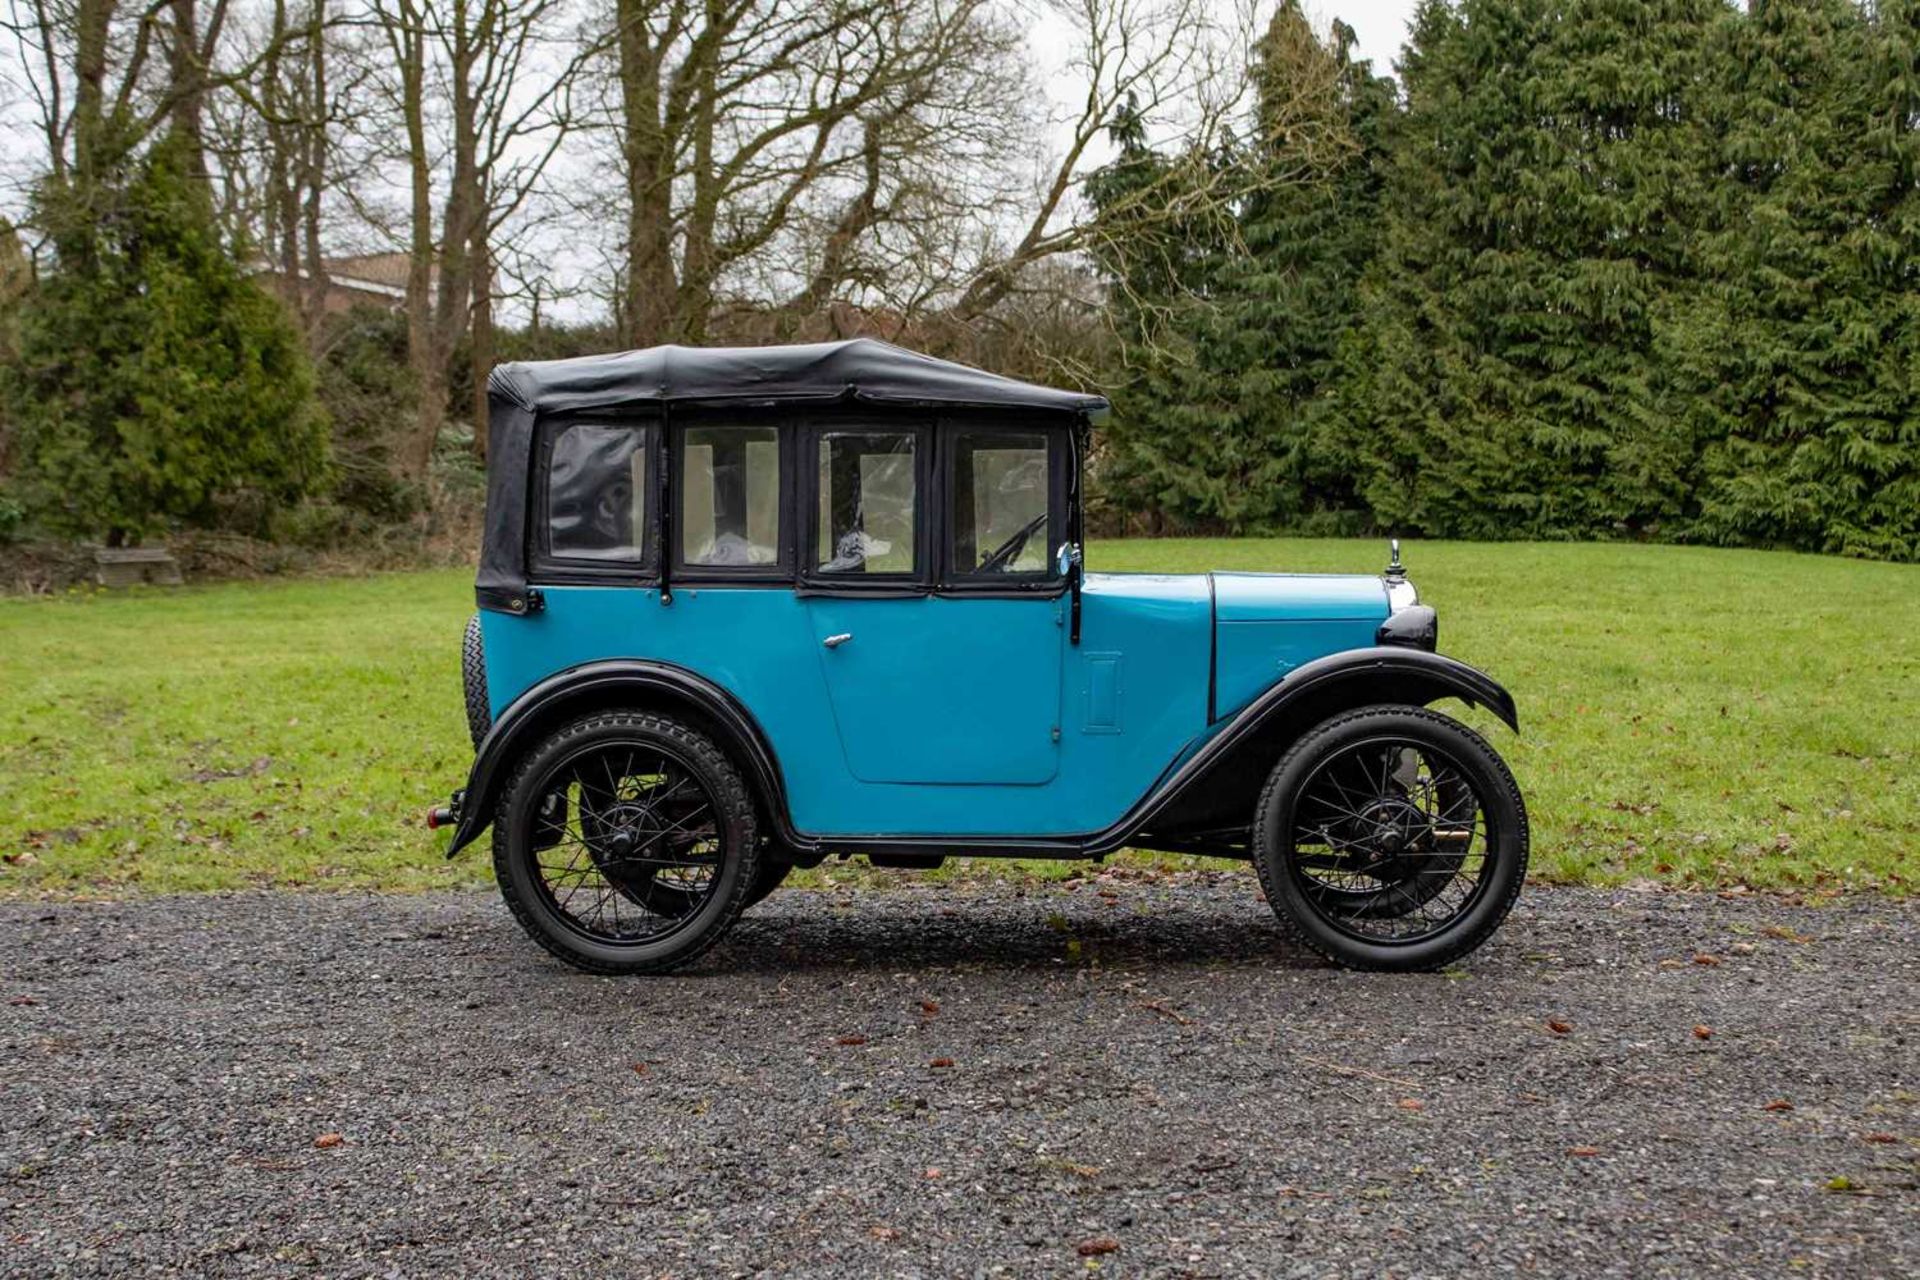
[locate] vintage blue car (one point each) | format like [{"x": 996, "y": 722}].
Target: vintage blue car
[{"x": 745, "y": 609}]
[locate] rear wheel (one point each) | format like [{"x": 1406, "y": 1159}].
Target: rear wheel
[
  {"x": 1391, "y": 838},
  {"x": 625, "y": 843}
]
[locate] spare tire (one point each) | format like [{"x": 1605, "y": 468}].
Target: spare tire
[{"x": 473, "y": 672}]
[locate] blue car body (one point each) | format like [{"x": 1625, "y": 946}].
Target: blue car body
[
  {"x": 958, "y": 716},
  {"x": 951, "y": 706}
]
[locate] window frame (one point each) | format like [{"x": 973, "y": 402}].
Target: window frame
[
  {"x": 544, "y": 566},
  {"x": 811, "y": 430},
  {"x": 1047, "y": 581},
  {"x": 781, "y": 571}
]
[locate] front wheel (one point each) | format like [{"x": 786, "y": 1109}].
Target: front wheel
[
  {"x": 625, "y": 843},
  {"x": 1391, "y": 838}
]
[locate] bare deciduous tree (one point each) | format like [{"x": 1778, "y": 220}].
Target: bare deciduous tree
[{"x": 496, "y": 76}]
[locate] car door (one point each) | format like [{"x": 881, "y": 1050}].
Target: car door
[{"x": 939, "y": 618}]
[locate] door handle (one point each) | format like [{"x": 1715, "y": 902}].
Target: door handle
[{"x": 835, "y": 641}]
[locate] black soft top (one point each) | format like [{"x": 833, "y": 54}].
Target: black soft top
[{"x": 861, "y": 371}]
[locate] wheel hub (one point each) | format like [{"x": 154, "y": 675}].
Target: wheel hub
[{"x": 1392, "y": 824}]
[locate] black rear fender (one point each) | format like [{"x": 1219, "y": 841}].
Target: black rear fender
[{"x": 657, "y": 687}]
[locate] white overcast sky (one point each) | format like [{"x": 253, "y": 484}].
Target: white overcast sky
[{"x": 1380, "y": 24}]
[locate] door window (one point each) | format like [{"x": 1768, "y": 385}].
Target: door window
[
  {"x": 868, "y": 503},
  {"x": 729, "y": 497},
  {"x": 1002, "y": 503}
]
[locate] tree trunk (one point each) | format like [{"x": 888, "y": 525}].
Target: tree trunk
[
  {"x": 313, "y": 173},
  {"x": 648, "y": 307},
  {"x": 187, "y": 85},
  {"x": 428, "y": 377},
  {"x": 482, "y": 335},
  {"x": 93, "y": 20},
  {"x": 460, "y": 223}
]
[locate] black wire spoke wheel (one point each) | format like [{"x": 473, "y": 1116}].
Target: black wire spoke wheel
[
  {"x": 1391, "y": 838},
  {"x": 626, "y": 843},
  {"x": 642, "y": 850}
]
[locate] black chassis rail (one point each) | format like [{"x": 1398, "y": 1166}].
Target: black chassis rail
[{"x": 1304, "y": 697}]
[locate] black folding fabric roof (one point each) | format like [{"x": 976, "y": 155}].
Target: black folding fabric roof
[
  {"x": 860, "y": 371},
  {"x": 863, "y": 369}
]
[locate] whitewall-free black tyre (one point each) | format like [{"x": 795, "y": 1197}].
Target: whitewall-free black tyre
[{"x": 1391, "y": 838}]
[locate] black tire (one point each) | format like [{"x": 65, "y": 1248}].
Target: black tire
[
  {"x": 1350, "y": 926},
  {"x": 772, "y": 874},
  {"x": 527, "y": 882},
  {"x": 473, "y": 673}
]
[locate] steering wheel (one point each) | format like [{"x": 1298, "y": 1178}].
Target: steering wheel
[{"x": 1005, "y": 553}]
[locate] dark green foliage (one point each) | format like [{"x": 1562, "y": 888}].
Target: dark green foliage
[
  {"x": 154, "y": 380},
  {"x": 1603, "y": 268},
  {"x": 1796, "y": 354},
  {"x": 1230, "y": 334},
  {"x": 368, "y": 392},
  {"x": 1546, "y": 177}
]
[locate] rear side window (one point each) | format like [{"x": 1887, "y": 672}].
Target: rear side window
[
  {"x": 1002, "y": 503},
  {"x": 729, "y": 505},
  {"x": 867, "y": 489},
  {"x": 598, "y": 491}
]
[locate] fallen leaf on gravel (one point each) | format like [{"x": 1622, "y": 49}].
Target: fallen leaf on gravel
[
  {"x": 883, "y": 1233},
  {"x": 932, "y": 1174},
  {"x": 23, "y": 1000},
  {"x": 1583, "y": 1151},
  {"x": 1743, "y": 948},
  {"x": 941, "y": 1062},
  {"x": 1882, "y": 1137},
  {"x": 1701, "y": 1031},
  {"x": 329, "y": 1140},
  {"x": 640, "y": 1068},
  {"x": 1778, "y": 1104},
  {"x": 1410, "y": 1104},
  {"x": 1098, "y": 1245},
  {"x": 1706, "y": 958},
  {"x": 1559, "y": 1026},
  {"x": 1161, "y": 1009},
  {"x": 851, "y": 1040},
  {"x": 929, "y": 1007},
  {"x": 1842, "y": 1183},
  {"x": 1786, "y": 933}
]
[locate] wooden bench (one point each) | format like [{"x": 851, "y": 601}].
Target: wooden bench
[{"x": 135, "y": 566}]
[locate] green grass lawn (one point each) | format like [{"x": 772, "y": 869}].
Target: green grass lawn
[{"x": 1689, "y": 715}]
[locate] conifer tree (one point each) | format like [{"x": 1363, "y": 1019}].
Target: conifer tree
[
  {"x": 153, "y": 377},
  {"x": 1781, "y": 354},
  {"x": 1548, "y": 174},
  {"x": 1228, "y": 336}
]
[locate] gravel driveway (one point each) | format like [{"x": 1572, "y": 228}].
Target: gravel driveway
[{"x": 1125, "y": 1073}]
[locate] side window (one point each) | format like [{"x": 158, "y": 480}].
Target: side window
[
  {"x": 728, "y": 513},
  {"x": 868, "y": 503},
  {"x": 1002, "y": 500},
  {"x": 597, "y": 493}
]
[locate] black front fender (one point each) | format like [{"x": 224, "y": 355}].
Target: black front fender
[
  {"x": 1220, "y": 779},
  {"x": 599, "y": 686}
]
